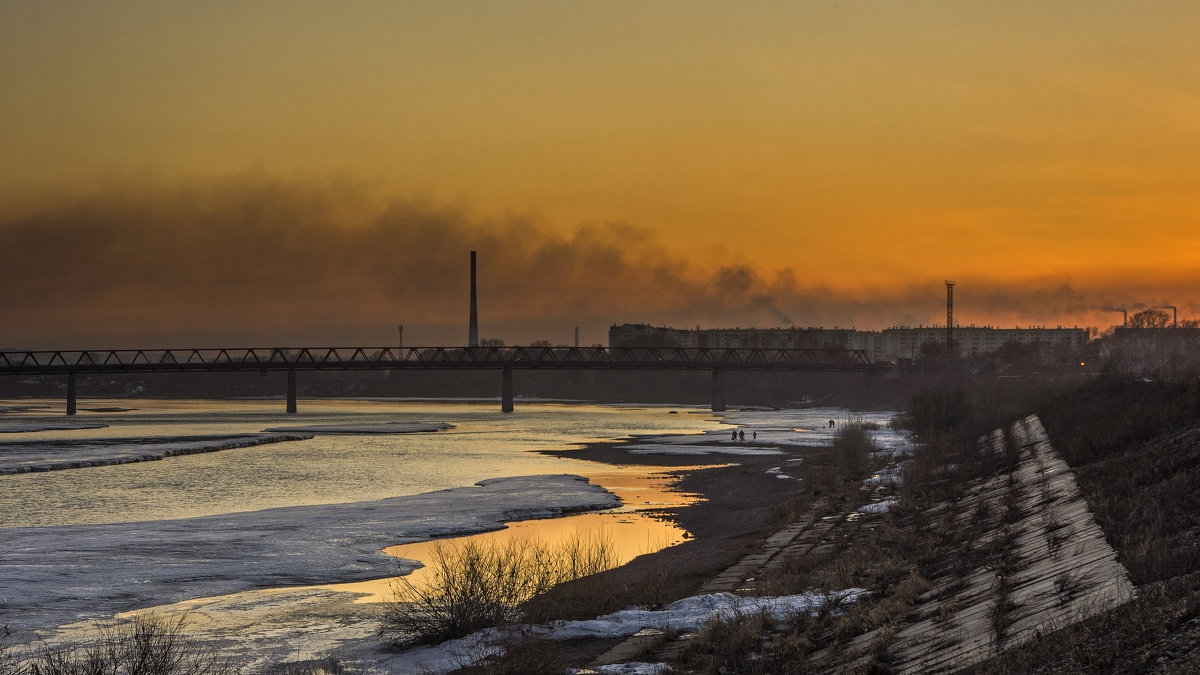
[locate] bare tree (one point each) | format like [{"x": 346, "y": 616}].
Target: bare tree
[{"x": 1150, "y": 318}]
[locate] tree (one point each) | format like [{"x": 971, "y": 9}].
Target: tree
[
  {"x": 1150, "y": 318},
  {"x": 491, "y": 342}
]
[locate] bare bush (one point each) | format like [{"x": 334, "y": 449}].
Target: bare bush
[
  {"x": 150, "y": 644},
  {"x": 474, "y": 585}
]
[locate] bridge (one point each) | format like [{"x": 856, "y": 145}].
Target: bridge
[{"x": 503, "y": 359}]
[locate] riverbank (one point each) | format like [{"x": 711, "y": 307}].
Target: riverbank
[
  {"x": 743, "y": 503},
  {"x": 752, "y": 490}
]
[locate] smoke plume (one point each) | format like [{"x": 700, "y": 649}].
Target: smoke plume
[{"x": 257, "y": 261}]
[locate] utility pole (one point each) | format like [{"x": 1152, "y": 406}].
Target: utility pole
[{"x": 401, "y": 336}]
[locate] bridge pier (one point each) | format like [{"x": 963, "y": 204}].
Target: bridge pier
[
  {"x": 718, "y": 390},
  {"x": 291, "y": 392},
  {"x": 71, "y": 394},
  {"x": 506, "y": 391}
]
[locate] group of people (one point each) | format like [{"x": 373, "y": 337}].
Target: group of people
[{"x": 739, "y": 435}]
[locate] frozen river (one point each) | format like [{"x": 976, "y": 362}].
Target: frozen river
[
  {"x": 255, "y": 540},
  {"x": 220, "y": 530},
  {"x": 327, "y": 469}
]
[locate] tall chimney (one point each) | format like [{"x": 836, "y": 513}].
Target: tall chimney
[
  {"x": 473, "y": 336},
  {"x": 949, "y": 319}
]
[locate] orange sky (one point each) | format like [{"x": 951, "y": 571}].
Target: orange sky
[{"x": 190, "y": 173}]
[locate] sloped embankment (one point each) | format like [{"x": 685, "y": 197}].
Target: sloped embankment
[{"x": 1044, "y": 564}]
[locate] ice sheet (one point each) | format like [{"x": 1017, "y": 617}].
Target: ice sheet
[
  {"x": 53, "y": 455},
  {"x": 387, "y": 428},
  {"x": 52, "y": 575}
]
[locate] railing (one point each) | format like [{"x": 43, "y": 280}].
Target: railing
[{"x": 389, "y": 358}]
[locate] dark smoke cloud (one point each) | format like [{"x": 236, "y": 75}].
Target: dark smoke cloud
[{"x": 258, "y": 261}]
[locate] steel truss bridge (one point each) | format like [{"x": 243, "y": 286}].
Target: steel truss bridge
[{"x": 504, "y": 359}]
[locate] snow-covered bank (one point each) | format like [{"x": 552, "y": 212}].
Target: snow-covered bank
[
  {"x": 52, "y": 575},
  {"x": 52, "y": 455},
  {"x": 386, "y": 428},
  {"x": 686, "y": 615}
]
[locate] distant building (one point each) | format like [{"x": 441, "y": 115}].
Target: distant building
[
  {"x": 1149, "y": 349},
  {"x": 892, "y": 344},
  {"x": 905, "y": 342},
  {"x": 645, "y": 335}
]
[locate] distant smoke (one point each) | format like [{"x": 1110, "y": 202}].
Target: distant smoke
[
  {"x": 251, "y": 260},
  {"x": 768, "y": 304}
]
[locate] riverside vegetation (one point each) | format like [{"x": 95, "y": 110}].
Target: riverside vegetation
[{"x": 1134, "y": 444}]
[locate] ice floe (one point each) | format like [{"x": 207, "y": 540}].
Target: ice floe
[
  {"x": 52, "y": 455},
  {"x": 386, "y": 428},
  {"x": 52, "y": 575},
  {"x": 29, "y": 427}
]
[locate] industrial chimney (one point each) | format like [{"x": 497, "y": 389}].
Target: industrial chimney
[{"x": 473, "y": 336}]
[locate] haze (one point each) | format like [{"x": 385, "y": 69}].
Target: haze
[{"x": 236, "y": 173}]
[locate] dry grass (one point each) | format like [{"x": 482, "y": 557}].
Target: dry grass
[
  {"x": 473, "y": 585},
  {"x": 148, "y": 645}
]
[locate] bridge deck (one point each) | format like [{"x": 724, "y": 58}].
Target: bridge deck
[{"x": 391, "y": 358}]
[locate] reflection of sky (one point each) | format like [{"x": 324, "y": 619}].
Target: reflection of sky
[{"x": 327, "y": 469}]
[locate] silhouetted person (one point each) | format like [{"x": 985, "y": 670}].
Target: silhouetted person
[
  {"x": 755, "y": 436},
  {"x": 733, "y": 435},
  {"x": 830, "y": 424},
  {"x": 741, "y": 435}
]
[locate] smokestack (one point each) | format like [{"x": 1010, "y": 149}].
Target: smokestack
[
  {"x": 949, "y": 319},
  {"x": 473, "y": 335}
]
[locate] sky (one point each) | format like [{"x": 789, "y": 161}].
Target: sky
[{"x": 249, "y": 173}]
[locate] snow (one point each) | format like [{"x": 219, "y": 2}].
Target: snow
[
  {"x": 881, "y": 506},
  {"x": 387, "y": 428},
  {"x": 636, "y": 668},
  {"x": 98, "y": 570},
  {"x": 53, "y": 455},
  {"x": 24, "y": 428},
  {"x": 688, "y": 615},
  {"x": 777, "y": 471},
  {"x": 679, "y": 449}
]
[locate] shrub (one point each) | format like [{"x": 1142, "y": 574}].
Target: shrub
[
  {"x": 476, "y": 585},
  {"x": 850, "y": 453},
  {"x": 150, "y": 644}
]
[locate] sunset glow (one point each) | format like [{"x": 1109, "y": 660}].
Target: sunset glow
[{"x": 229, "y": 172}]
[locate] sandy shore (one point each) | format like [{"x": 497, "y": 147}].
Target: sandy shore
[{"x": 742, "y": 503}]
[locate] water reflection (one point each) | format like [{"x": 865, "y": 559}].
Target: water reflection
[{"x": 325, "y": 470}]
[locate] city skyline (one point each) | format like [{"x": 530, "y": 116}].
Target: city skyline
[{"x": 230, "y": 173}]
